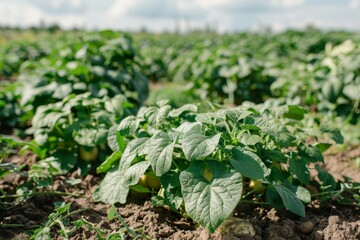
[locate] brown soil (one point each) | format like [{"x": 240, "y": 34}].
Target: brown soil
[{"x": 323, "y": 221}]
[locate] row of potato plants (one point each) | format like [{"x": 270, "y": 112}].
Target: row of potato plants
[
  {"x": 203, "y": 162},
  {"x": 317, "y": 70}
]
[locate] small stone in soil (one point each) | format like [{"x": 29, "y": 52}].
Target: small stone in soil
[
  {"x": 306, "y": 227},
  {"x": 318, "y": 235},
  {"x": 237, "y": 227}
]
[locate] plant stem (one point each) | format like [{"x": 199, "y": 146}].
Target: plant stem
[
  {"x": 42, "y": 193},
  {"x": 253, "y": 202},
  {"x": 11, "y": 225}
]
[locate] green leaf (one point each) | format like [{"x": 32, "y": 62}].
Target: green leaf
[
  {"x": 90, "y": 136},
  {"x": 112, "y": 189},
  {"x": 248, "y": 164},
  {"x": 186, "y": 126},
  {"x": 172, "y": 189},
  {"x": 134, "y": 172},
  {"x": 197, "y": 146},
  {"x": 328, "y": 181},
  {"x": 207, "y": 118},
  {"x": 290, "y": 200},
  {"x": 133, "y": 149},
  {"x": 62, "y": 162},
  {"x": 285, "y": 139},
  {"x": 237, "y": 114},
  {"x": 310, "y": 153},
  {"x": 352, "y": 91},
  {"x": 115, "y": 141},
  {"x": 211, "y": 192},
  {"x": 112, "y": 213},
  {"x": 249, "y": 139},
  {"x": 185, "y": 108},
  {"x": 161, "y": 150},
  {"x": 156, "y": 116},
  {"x": 333, "y": 133},
  {"x": 273, "y": 198},
  {"x": 47, "y": 116},
  {"x": 63, "y": 90},
  {"x": 295, "y": 112},
  {"x": 301, "y": 193},
  {"x": 42, "y": 234},
  {"x": 128, "y": 126},
  {"x": 109, "y": 162},
  {"x": 299, "y": 168},
  {"x": 322, "y": 147}
]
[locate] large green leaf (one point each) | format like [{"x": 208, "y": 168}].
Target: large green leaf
[
  {"x": 290, "y": 200},
  {"x": 197, "y": 146},
  {"x": 328, "y": 181},
  {"x": 157, "y": 115},
  {"x": 237, "y": 114},
  {"x": 161, "y": 150},
  {"x": 128, "y": 126},
  {"x": 352, "y": 91},
  {"x": 295, "y": 112},
  {"x": 133, "y": 173},
  {"x": 115, "y": 186},
  {"x": 310, "y": 153},
  {"x": 299, "y": 168},
  {"x": 134, "y": 148},
  {"x": 301, "y": 193},
  {"x": 211, "y": 192},
  {"x": 112, "y": 189},
  {"x": 248, "y": 164},
  {"x": 185, "y": 108},
  {"x": 332, "y": 133}
]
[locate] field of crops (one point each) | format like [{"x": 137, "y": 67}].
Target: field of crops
[{"x": 109, "y": 135}]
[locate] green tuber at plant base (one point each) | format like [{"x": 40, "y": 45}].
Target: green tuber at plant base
[{"x": 201, "y": 158}]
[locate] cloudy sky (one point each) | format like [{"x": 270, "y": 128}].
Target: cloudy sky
[{"x": 159, "y": 15}]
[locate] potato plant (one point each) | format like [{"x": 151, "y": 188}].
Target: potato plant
[
  {"x": 10, "y": 110},
  {"x": 73, "y": 132},
  {"x": 103, "y": 63},
  {"x": 205, "y": 160}
]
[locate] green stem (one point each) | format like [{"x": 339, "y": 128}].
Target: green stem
[
  {"x": 11, "y": 225},
  {"x": 42, "y": 193},
  {"x": 62, "y": 226},
  {"x": 351, "y": 114},
  {"x": 177, "y": 166},
  {"x": 250, "y": 192},
  {"x": 253, "y": 202},
  {"x": 66, "y": 216},
  {"x": 59, "y": 130},
  {"x": 325, "y": 193}
]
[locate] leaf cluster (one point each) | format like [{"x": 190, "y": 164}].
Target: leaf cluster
[{"x": 203, "y": 160}]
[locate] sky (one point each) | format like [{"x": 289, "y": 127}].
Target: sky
[{"x": 183, "y": 15}]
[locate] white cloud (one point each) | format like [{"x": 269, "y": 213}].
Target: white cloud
[
  {"x": 287, "y": 3},
  {"x": 120, "y": 7},
  {"x": 76, "y": 3},
  {"x": 354, "y": 3},
  {"x": 21, "y": 14},
  {"x": 157, "y": 15}
]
